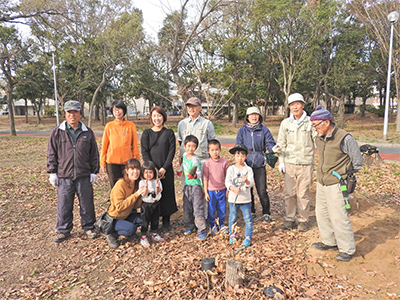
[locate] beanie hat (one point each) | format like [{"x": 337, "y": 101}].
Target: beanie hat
[
  {"x": 296, "y": 97},
  {"x": 321, "y": 114}
]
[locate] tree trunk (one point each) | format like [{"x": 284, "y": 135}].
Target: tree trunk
[
  {"x": 234, "y": 273},
  {"x": 362, "y": 108},
  {"x": 96, "y": 92},
  {"x": 11, "y": 110},
  {"x": 97, "y": 112},
  {"x": 26, "y": 111},
  {"x": 340, "y": 121},
  {"x": 235, "y": 114}
]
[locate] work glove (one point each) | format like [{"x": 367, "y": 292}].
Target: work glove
[
  {"x": 93, "y": 178},
  {"x": 53, "y": 179},
  {"x": 190, "y": 176},
  {"x": 282, "y": 168}
]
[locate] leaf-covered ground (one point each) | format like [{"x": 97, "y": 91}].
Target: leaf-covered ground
[{"x": 32, "y": 266}]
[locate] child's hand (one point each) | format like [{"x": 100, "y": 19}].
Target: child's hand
[
  {"x": 235, "y": 189},
  {"x": 207, "y": 196},
  {"x": 190, "y": 176},
  {"x": 244, "y": 178},
  {"x": 179, "y": 173}
]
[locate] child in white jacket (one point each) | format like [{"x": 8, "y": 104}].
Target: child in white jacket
[{"x": 239, "y": 179}]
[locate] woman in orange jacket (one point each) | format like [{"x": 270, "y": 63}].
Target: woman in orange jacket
[{"x": 119, "y": 143}]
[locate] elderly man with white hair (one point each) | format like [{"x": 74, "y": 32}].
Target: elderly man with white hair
[{"x": 295, "y": 147}]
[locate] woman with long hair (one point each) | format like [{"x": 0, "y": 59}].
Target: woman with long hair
[{"x": 125, "y": 200}]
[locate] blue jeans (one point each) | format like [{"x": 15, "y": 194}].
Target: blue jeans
[
  {"x": 128, "y": 226},
  {"x": 217, "y": 204},
  {"x": 248, "y": 219}
]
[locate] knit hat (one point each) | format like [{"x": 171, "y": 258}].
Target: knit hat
[{"x": 321, "y": 114}]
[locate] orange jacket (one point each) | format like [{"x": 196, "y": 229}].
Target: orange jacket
[{"x": 119, "y": 143}]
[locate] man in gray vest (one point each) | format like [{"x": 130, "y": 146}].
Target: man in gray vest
[{"x": 338, "y": 151}]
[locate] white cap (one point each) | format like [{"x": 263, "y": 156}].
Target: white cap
[
  {"x": 296, "y": 97},
  {"x": 252, "y": 110}
]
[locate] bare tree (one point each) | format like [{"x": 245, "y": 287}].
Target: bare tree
[{"x": 373, "y": 14}]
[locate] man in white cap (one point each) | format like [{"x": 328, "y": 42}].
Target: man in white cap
[
  {"x": 295, "y": 147},
  {"x": 73, "y": 162},
  {"x": 198, "y": 126}
]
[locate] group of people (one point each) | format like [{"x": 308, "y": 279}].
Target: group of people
[{"x": 208, "y": 181}]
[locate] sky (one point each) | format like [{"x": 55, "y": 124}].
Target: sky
[{"x": 154, "y": 12}]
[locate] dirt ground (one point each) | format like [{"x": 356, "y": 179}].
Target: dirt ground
[{"x": 32, "y": 266}]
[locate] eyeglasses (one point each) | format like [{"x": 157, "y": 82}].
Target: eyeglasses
[{"x": 316, "y": 125}]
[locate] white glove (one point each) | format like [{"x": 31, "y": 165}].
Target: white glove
[
  {"x": 53, "y": 179},
  {"x": 282, "y": 168},
  {"x": 93, "y": 178}
]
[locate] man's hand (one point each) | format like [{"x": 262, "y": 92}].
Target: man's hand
[
  {"x": 53, "y": 179},
  {"x": 93, "y": 178},
  {"x": 282, "y": 168},
  {"x": 277, "y": 148}
]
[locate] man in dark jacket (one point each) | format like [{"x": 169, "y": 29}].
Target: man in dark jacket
[{"x": 73, "y": 162}]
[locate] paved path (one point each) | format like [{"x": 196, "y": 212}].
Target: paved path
[{"x": 386, "y": 151}]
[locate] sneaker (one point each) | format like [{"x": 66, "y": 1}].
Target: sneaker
[
  {"x": 145, "y": 242},
  {"x": 157, "y": 238},
  {"x": 344, "y": 256},
  {"x": 247, "y": 241},
  {"x": 203, "y": 236},
  {"x": 302, "y": 227},
  {"x": 224, "y": 230},
  {"x": 112, "y": 241},
  {"x": 189, "y": 231},
  {"x": 266, "y": 218},
  {"x": 91, "y": 233},
  {"x": 232, "y": 239},
  {"x": 288, "y": 225},
  {"x": 61, "y": 237},
  {"x": 323, "y": 247}
]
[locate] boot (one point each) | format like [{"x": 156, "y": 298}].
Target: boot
[{"x": 112, "y": 240}]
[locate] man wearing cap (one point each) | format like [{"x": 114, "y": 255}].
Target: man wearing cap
[
  {"x": 73, "y": 162},
  {"x": 198, "y": 126},
  {"x": 295, "y": 147},
  {"x": 257, "y": 138},
  {"x": 338, "y": 151}
]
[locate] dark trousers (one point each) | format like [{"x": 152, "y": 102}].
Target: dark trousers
[
  {"x": 193, "y": 208},
  {"x": 260, "y": 180},
  {"x": 66, "y": 191},
  {"x": 150, "y": 216},
  {"x": 114, "y": 173}
]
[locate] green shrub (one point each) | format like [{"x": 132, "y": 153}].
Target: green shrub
[
  {"x": 378, "y": 111},
  {"x": 49, "y": 111}
]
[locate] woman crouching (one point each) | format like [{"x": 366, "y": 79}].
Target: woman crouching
[{"x": 125, "y": 200}]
